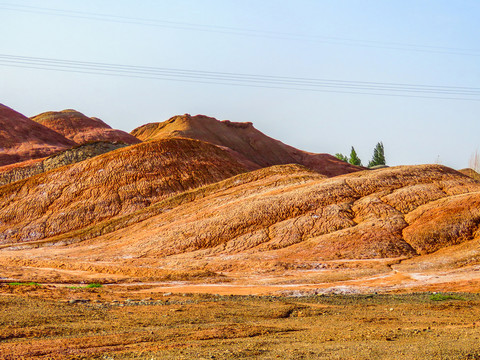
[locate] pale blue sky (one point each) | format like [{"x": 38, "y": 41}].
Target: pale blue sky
[{"x": 417, "y": 42}]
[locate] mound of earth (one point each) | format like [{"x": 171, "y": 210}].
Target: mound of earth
[
  {"x": 248, "y": 145},
  {"x": 25, "y": 169},
  {"x": 23, "y": 139},
  {"x": 116, "y": 183},
  {"x": 82, "y": 129}
]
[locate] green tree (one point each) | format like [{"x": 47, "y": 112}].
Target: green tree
[
  {"x": 354, "y": 159},
  {"x": 378, "y": 156},
  {"x": 341, "y": 157}
]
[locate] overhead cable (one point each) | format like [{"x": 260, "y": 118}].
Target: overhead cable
[{"x": 241, "y": 79}]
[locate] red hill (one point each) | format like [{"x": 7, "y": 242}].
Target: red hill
[{"x": 82, "y": 129}]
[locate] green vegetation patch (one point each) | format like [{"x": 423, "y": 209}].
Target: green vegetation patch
[
  {"x": 23, "y": 284},
  {"x": 94, "y": 285},
  {"x": 89, "y": 286},
  {"x": 444, "y": 297}
]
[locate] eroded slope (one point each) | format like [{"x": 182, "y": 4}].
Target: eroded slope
[
  {"x": 283, "y": 224},
  {"x": 25, "y": 169},
  {"x": 116, "y": 183},
  {"x": 360, "y": 216}
]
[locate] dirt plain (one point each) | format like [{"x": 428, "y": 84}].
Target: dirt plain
[{"x": 133, "y": 322}]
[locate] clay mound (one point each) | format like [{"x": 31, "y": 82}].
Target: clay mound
[
  {"x": 286, "y": 218},
  {"x": 25, "y": 169},
  {"x": 116, "y": 183},
  {"x": 82, "y": 129},
  {"x": 249, "y": 145},
  {"x": 23, "y": 139}
]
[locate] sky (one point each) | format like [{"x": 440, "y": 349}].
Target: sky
[{"x": 320, "y": 75}]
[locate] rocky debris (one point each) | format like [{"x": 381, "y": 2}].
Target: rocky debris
[
  {"x": 82, "y": 129},
  {"x": 22, "y": 139},
  {"x": 23, "y": 170},
  {"x": 248, "y": 145}
]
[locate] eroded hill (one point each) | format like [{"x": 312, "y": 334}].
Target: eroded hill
[
  {"x": 250, "y": 146},
  {"x": 82, "y": 129},
  {"x": 294, "y": 217}
]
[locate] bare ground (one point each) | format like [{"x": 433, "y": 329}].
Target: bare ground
[{"x": 133, "y": 322}]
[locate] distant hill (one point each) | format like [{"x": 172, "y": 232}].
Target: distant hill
[
  {"x": 23, "y": 139},
  {"x": 82, "y": 129},
  {"x": 250, "y": 146}
]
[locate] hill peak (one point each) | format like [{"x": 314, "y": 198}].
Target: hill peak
[{"x": 244, "y": 140}]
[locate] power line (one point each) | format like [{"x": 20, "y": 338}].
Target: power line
[
  {"x": 246, "y": 80},
  {"x": 237, "y": 31}
]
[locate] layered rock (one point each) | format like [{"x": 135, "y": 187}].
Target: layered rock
[{"x": 291, "y": 217}]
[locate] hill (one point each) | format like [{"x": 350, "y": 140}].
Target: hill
[
  {"x": 23, "y": 139},
  {"x": 82, "y": 129},
  {"x": 116, "y": 183},
  {"x": 248, "y": 145}
]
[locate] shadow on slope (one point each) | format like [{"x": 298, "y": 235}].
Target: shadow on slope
[{"x": 26, "y": 169}]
